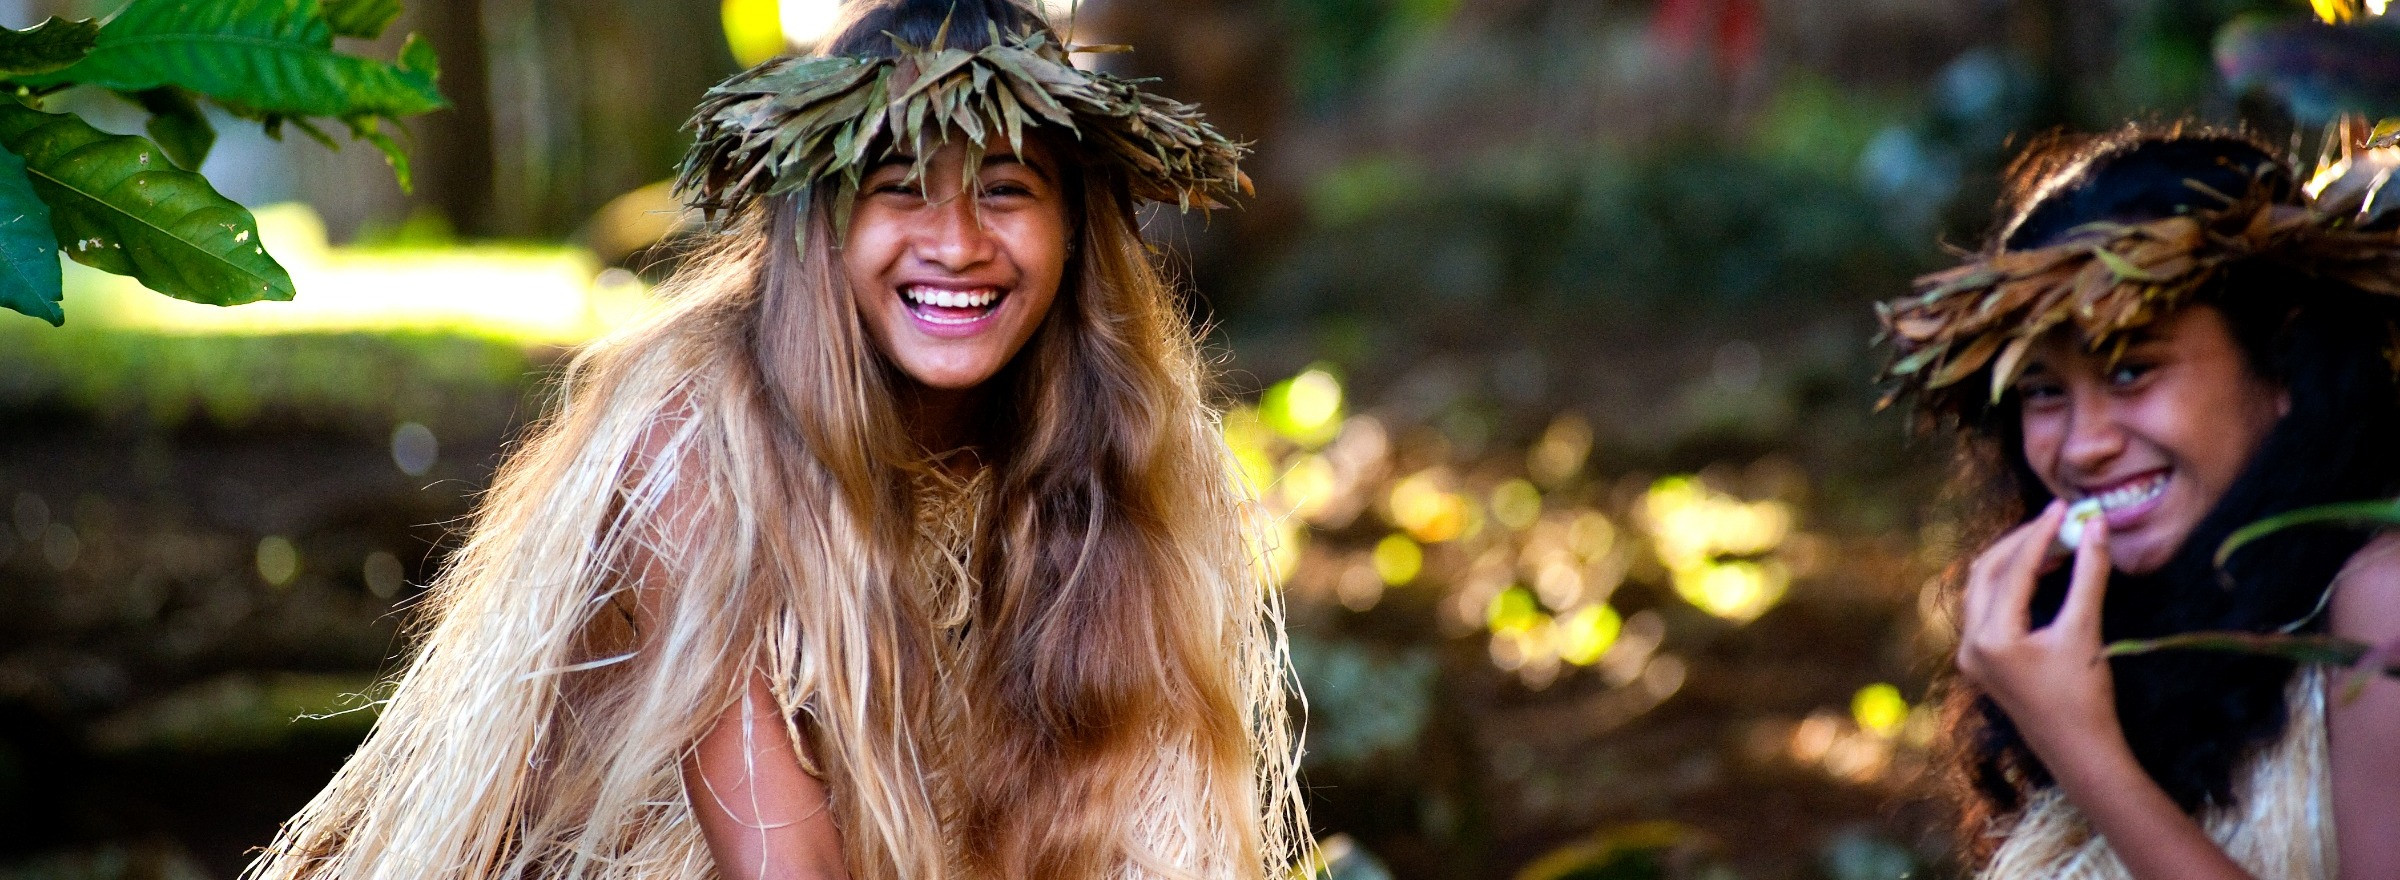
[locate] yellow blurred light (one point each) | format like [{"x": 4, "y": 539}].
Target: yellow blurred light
[
  {"x": 1693, "y": 529},
  {"x": 1516, "y": 504},
  {"x": 1307, "y": 486},
  {"x": 1398, "y": 560},
  {"x": 1307, "y": 408},
  {"x": 2376, "y": 7},
  {"x": 547, "y": 295},
  {"x": 759, "y": 29},
  {"x": 1878, "y": 708},
  {"x": 753, "y": 30},
  {"x": 1514, "y": 610},
  {"x": 1586, "y": 635},
  {"x": 1429, "y": 514},
  {"x": 1737, "y": 590}
]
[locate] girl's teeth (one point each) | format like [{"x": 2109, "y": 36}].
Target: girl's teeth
[
  {"x": 2130, "y": 495},
  {"x": 952, "y": 299}
]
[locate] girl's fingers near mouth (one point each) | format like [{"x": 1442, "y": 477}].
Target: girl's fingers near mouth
[{"x": 2081, "y": 613}]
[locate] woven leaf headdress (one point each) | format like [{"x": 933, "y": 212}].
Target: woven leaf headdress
[
  {"x": 795, "y": 124},
  {"x": 2108, "y": 279}
]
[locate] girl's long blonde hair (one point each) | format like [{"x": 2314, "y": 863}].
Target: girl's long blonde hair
[{"x": 1115, "y": 704}]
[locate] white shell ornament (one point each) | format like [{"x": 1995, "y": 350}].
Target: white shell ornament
[{"x": 2070, "y": 532}]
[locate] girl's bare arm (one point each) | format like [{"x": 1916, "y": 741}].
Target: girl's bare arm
[
  {"x": 2364, "y": 733},
  {"x": 764, "y": 818}
]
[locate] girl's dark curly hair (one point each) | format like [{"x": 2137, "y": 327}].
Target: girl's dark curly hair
[{"x": 2190, "y": 716}]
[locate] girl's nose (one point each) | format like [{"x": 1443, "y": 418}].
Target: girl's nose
[
  {"x": 951, "y": 233},
  {"x": 2094, "y": 437}
]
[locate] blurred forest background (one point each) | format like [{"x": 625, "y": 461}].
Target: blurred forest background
[{"x": 1546, "y": 339}]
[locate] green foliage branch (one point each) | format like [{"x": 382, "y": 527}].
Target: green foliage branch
[
  {"x": 138, "y": 206},
  {"x": 2365, "y": 660}
]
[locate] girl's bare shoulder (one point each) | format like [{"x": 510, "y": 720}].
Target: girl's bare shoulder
[{"x": 2366, "y": 598}]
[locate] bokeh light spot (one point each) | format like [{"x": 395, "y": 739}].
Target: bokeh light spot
[
  {"x": 1513, "y": 611},
  {"x": 1429, "y": 514},
  {"x": 414, "y": 448},
  {"x": 1586, "y": 635},
  {"x": 278, "y": 561},
  {"x": 1879, "y": 708},
  {"x": 1560, "y": 453},
  {"x": 1398, "y": 559},
  {"x": 754, "y": 29},
  {"x": 1516, "y": 504},
  {"x": 61, "y": 546},
  {"x": 1306, "y": 409},
  {"x": 384, "y": 574}
]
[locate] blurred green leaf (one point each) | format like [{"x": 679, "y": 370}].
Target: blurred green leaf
[
  {"x": 2386, "y": 133},
  {"x": 117, "y": 205},
  {"x": 2319, "y": 649},
  {"x": 369, "y": 129},
  {"x": 364, "y": 19},
  {"x": 177, "y": 125},
  {"x": 29, "y": 272},
  {"x": 52, "y": 45},
  {"x": 264, "y": 56},
  {"x": 2357, "y": 513}
]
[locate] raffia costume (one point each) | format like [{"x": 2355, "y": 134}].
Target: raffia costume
[
  {"x": 2105, "y": 280},
  {"x": 532, "y": 617}
]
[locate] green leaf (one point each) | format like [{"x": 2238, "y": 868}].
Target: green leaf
[
  {"x": 51, "y": 45},
  {"x": 2386, "y": 133},
  {"x": 2320, "y": 649},
  {"x": 29, "y": 275},
  {"x": 118, "y": 205},
  {"x": 364, "y": 19},
  {"x": 266, "y": 56},
  {"x": 2357, "y": 513},
  {"x": 178, "y": 126},
  {"x": 367, "y": 128}
]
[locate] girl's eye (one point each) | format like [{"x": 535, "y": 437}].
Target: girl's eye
[
  {"x": 2035, "y": 393},
  {"x": 1006, "y": 189},
  {"x": 894, "y": 188},
  {"x": 2127, "y": 373}
]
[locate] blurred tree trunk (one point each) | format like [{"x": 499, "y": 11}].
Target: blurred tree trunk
[
  {"x": 454, "y": 152},
  {"x": 587, "y": 101}
]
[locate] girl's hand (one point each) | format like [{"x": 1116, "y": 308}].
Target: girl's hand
[
  {"x": 2051, "y": 681},
  {"x": 2055, "y": 685}
]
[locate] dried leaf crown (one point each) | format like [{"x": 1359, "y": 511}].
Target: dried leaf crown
[
  {"x": 2106, "y": 280},
  {"x": 793, "y": 124}
]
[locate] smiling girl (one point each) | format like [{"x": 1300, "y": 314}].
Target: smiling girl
[
  {"x": 2168, "y": 328},
  {"x": 901, "y": 541}
]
